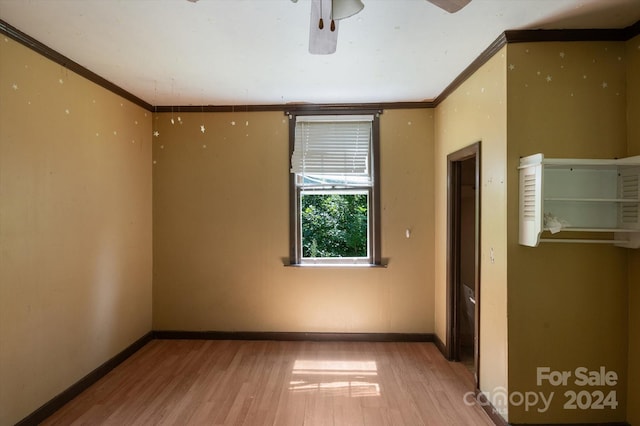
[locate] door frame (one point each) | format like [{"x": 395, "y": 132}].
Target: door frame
[{"x": 454, "y": 167}]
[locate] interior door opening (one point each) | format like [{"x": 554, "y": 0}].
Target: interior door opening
[
  {"x": 463, "y": 267},
  {"x": 466, "y": 284}
]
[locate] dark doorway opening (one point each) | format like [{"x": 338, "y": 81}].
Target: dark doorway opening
[{"x": 463, "y": 257}]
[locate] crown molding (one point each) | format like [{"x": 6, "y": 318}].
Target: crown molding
[
  {"x": 533, "y": 36},
  {"x": 57, "y": 57},
  {"x": 487, "y": 54},
  {"x": 596, "y": 34},
  {"x": 295, "y": 107},
  {"x": 507, "y": 37},
  {"x": 632, "y": 30}
]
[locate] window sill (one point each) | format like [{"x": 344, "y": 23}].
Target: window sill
[{"x": 334, "y": 265}]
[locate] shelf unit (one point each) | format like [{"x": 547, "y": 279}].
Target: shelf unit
[{"x": 563, "y": 195}]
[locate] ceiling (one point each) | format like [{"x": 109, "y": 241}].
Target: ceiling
[{"x": 255, "y": 52}]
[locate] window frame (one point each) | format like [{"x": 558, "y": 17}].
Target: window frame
[{"x": 295, "y": 191}]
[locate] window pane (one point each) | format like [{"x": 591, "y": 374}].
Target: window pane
[
  {"x": 332, "y": 180},
  {"x": 334, "y": 225}
]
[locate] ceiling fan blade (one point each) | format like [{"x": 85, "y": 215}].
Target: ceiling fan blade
[
  {"x": 322, "y": 41},
  {"x": 451, "y": 6}
]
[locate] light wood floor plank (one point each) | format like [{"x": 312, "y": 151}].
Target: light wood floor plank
[{"x": 255, "y": 383}]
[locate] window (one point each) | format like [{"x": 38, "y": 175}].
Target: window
[{"x": 334, "y": 189}]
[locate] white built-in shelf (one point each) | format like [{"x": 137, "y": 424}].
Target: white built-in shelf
[
  {"x": 593, "y": 200},
  {"x": 559, "y": 195},
  {"x": 573, "y": 229}
]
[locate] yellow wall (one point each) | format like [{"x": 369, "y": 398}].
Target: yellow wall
[
  {"x": 633, "y": 122},
  {"x": 221, "y": 231},
  {"x": 75, "y": 228},
  {"x": 476, "y": 111},
  {"x": 567, "y": 303},
  {"x": 76, "y": 209}
]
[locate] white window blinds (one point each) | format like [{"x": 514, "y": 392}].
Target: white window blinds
[{"x": 333, "y": 146}]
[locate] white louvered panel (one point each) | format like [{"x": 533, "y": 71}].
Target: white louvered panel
[
  {"x": 530, "y": 202},
  {"x": 529, "y": 195},
  {"x": 629, "y": 189}
]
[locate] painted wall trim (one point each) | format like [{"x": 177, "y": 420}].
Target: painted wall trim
[
  {"x": 472, "y": 68},
  {"x": 532, "y": 36},
  {"x": 295, "y": 107},
  {"x": 294, "y": 336},
  {"x": 596, "y": 34},
  {"x": 441, "y": 346},
  {"x": 74, "y": 390},
  {"x": 632, "y": 30},
  {"x": 77, "y": 388},
  {"x": 58, "y": 58},
  {"x": 81, "y": 385},
  {"x": 510, "y": 36},
  {"x": 488, "y": 408}
]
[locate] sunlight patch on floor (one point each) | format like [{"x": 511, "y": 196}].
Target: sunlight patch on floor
[{"x": 336, "y": 377}]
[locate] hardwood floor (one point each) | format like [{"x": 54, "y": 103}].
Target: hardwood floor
[{"x": 222, "y": 382}]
